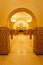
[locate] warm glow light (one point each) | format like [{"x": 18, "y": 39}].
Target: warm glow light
[
  {"x": 24, "y": 26},
  {"x": 21, "y": 15},
  {"x": 21, "y": 24},
  {"x": 29, "y": 20},
  {"x": 13, "y": 20}
]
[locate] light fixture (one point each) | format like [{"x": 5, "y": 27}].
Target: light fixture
[
  {"x": 13, "y": 20},
  {"x": 29, "y": 20}
]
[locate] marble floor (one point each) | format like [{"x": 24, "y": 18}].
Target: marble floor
[{"x": 21, "y": 52}]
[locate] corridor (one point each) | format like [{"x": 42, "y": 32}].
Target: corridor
[
  {"x": 21, "y": 32},
  {"x": 21, "y": 44},
  {"x": 21, "y": 52}
]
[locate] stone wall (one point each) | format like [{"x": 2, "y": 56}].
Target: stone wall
[
  {"x": 38, "y": 40},
  {"x": 4, "y": 40}
]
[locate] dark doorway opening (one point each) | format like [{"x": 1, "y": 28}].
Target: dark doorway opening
[{"x": 20, "y": 30}]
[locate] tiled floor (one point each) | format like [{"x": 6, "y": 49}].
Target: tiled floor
[{"x": 21, "y": 52}]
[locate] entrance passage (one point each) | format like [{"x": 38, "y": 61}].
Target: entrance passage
[
  {"x": 21, "y": 21},
  {"x": 21, "y": 44}
]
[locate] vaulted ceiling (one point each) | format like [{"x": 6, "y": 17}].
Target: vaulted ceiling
[{"x": 7, "y": 6}]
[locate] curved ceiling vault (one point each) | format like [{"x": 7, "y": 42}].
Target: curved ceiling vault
[{"x": 22, "y": 17}]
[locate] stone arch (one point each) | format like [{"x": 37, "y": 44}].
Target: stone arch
[{"x": 22, "y": 10}]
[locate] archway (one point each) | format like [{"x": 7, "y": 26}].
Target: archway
[{"x": 32, "y": 24}]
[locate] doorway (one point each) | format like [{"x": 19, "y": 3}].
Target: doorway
[{"x": 21, "y": 21}]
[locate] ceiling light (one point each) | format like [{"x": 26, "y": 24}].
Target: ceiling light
[
  {"x": 13, "y": 20},
  {"x": 29, "y": 20}
]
